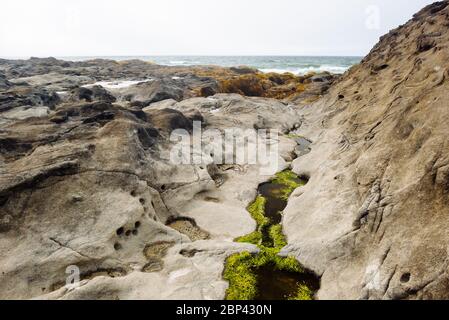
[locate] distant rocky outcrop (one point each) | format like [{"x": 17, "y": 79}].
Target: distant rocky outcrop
[
  {"x": 253, "y": 83},
  {"x": 170, "y": 82},
  {"x": 373, "y": 218}
]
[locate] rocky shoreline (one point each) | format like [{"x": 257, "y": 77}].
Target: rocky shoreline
[{"x": 86, "y": 178}]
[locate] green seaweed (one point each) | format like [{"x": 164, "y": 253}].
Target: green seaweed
[
  {"x": 257, "y": 211},
  {"x": 304, "y": 293},
  {"x": 239, "y": 271},
  {"x": 253, "y": 238},
  {"x": 277, "y": 236},
  {"x": 242, "y": 281},
  {"x": 240, "y": 268},
  {"x": 289, "y": 181}
]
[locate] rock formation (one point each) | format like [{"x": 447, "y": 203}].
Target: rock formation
[
  {"x": 373, "y": 218},
  {"x": 87, "y": 182},
  {"x": 86, "y": 179}
]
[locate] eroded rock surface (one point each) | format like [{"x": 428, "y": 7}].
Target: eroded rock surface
[
  {"x": 86, "y": 180},
  {"x": 373, "y": 218}
]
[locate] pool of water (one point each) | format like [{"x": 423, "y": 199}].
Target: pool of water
[
  {"x": 275, "y": 284},
  {"x": 267, "y": 275}
]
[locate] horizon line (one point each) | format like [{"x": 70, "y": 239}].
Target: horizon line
[{"x": 177, "y": 55}]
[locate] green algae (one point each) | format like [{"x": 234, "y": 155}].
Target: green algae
[
  {"x": 253, "y": 238},
  {"x": 257, "y": 211},
  {"x": 242, "y": 280},
  {"x": 241, "y": 269},
  {"x": 304, "y": 293},
  {"x": 289, "y": 181},
  {"x": 277, "y": 236}
]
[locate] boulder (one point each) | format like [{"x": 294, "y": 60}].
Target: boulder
[
  {"x": 19, "y": 96},
  {"x": 4, "y": 83},
  {"x": 25, "y": 112},
  {"x": 169, "y": 119},
  {"x": 151, "y": 92},
  {"x": 94, "y": 93}
]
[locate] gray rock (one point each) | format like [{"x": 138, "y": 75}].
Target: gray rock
[
  {"x": 372, "y": 221},
  {"x": 151, "y": 92},
  {"x": 91, "y": 186},
  {"x": 94, "y": 93}
]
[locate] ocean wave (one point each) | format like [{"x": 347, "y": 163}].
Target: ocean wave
[
  {"x": 305, "y": 70},
  {"x": 117, "y": 84},
  {"x": 183, "y": 63}
]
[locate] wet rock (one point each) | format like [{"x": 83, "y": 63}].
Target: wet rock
[
  {"x": 151, "y": 92},
  {"x": 4, "y": 83},
  {"x": 27, "y": 96},
  {"x": 22, "y": 113},
  {"x": 243, "y": 70},
  {"x": 54, "y": 81},
  {"x": 169, "y": 119},
  {"x": 323, "y": 77},
  {"x": 94, "y": 93},
  {"x": 208, "y": 91}
]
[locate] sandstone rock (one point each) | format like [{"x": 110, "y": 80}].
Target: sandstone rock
[
  {"x": 21, "y": 113},
  {"x": 90, "y": 185},
  {"x": 94, "y": 93},
  {"x": 169, "y": 120},
  {"x": 4, "y": 83},
  {"x": 150, "y": 92},
  {"x": 372, "y": 220},
  {"x": 54, "y": 81},
  {"x": 27, "y": 96}
]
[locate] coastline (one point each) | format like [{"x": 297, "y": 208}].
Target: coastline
[
  {"x": 298, "y": 65},
  {"x": 88, "y": 179}
]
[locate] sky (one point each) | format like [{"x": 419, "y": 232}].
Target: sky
[{"x": 197, "y": 27}]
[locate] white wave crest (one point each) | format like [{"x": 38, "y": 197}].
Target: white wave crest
[
  {"x": 118, "y": 84},
  {"x": 303, "y": 71}
]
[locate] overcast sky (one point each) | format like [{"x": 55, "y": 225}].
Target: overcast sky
[{"x": 197, "y": 27}]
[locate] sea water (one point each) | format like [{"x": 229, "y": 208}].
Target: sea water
[{"x": 295, "y": 64}]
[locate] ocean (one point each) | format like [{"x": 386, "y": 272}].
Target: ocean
[{"x": 296, "y": 64}]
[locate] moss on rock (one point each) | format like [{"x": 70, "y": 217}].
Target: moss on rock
[
  {"x": 257, "y": 211},
  {"x": 240, "y": 269},
  {"x": 277, "y": 236},
  {"x": 252, "y": 82},
  {"x": 289, "y": 181},
  {"x": 242, "y": 281},
  {"x": 304, "y": 293},
  {"x": 253, "y": 238}
]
